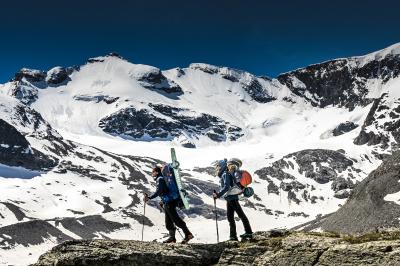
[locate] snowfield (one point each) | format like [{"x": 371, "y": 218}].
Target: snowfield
[{"x": 96, "y": 188}]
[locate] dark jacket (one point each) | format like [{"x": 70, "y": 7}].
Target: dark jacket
[
  {"x": 162, "y": 188},
  {"x": 226, "y": 182}
]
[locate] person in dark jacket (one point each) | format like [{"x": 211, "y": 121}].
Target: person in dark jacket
[
  {"x": 227, "y": 182},
  {"x": 170, "y": 200}
]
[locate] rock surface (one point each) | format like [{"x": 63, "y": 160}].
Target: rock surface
[
  {"x": 341, "y": 82},
  {"x": 267, "y": 248},
  {"x": 167, "y": 122},
  {"x": 369, "y": 208}
]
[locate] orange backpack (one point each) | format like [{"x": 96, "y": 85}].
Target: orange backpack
[{"x": 246, "y": 178}]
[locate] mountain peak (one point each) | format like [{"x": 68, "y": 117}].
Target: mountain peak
[{"x": 105, "y": 57}]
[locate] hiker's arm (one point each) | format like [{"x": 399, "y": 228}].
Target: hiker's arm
[
  {"x": 158, "y": 190},
  {"x": 226, "y": 185}
]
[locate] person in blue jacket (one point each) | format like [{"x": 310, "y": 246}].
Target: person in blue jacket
[
  {"x": 167, "y": 190},
  {"x": 227, "y": 182}
]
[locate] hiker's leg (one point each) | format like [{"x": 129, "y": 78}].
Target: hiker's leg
[
  {"x": 242, "y": 216},
  {"x": 169, "y": 224},
  {"x": 171, "y": 210},
  {"x": 230, "y": 213}
]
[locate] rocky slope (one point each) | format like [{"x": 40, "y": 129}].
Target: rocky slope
[
  {"x": 268, "y": 248},
  {"x": 344, "y": 82},
  {"x": 373, "y": 206}
]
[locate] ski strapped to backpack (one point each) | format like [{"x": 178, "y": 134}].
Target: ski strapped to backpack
[
  {"x": 181, "y": 190},
  {"x": 170, "y": 181}
]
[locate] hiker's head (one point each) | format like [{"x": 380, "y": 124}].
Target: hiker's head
[
  {"x": 233, "y": 165},
  {"x": 156, "y": 172},
  {"x": 232, "y": 168},
  {"x": 220, "y": 167}
]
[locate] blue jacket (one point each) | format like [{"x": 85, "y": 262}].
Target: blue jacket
[
  {"x": 167, "y": 189},
  {"x": 226, "y": 181}
]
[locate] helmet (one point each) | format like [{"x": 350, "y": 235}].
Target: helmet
[{"x": 235, "y": 161}]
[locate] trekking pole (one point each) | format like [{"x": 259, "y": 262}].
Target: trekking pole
[
  {"x": 179, "y": 231},
  {"x": 144, "y": 215},
  {"x": 216, "y": 216}
]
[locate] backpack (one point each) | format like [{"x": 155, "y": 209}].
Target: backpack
[
  {"x": 169, "y": 179},
  {"x": 243, "y": 178}
]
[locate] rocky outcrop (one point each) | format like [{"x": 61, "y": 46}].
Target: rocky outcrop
[
  {"x": 58, "y": 75},
  {"x": 250, "y": 83},
  {"x": 24, "y": 92},
  {"x": 142, "y": 123},
  {"x": 31, "y": 75},
  {"x": 321, "y": 165},
  {"x": 372, "y": 205},
  {"x": 341, "y": 82},
  {"x": 16, "y": 151},
  {"x": 155, "y": 80},
  {"x": 267, "y": 248},
  {"x": 96, "y": 98},
  {"x": 382, "y": 124},
  {"x": 35, "y": 232},
  {"x": 343, "y": 128}
]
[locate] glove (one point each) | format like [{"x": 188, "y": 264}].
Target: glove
[
  {"x": 146, "y": 197},
  {"x": 161, "y": 204},
  {"x": 215, "y": 195}
]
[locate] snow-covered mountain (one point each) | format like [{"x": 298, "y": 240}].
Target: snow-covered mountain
[{"x": 77, "y": 144}]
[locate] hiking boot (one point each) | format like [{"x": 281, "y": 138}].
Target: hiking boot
[
  {"x": 170, "y": 240},
  {"x": 233, "y": 238},
  {"x": 247, "y": 235},
  {"x": 187, "y": 239}
]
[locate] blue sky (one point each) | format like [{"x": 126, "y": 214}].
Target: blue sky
[{"x": 263, "y": 37}]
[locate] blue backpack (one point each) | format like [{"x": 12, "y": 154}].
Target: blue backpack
[{"x": 169, "y": 178}]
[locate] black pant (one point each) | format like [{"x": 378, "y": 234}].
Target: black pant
[
  {"x": 172, "y": 218},
  {"x": 233, "y": 206}
]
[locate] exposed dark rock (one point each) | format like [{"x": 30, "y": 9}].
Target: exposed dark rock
[
  {"x": 367, "y": 204},
  {"x": 278, "y": 248},
  {"x": 341, "y": 183},
  {"x": 19, "y": 214},
  {"x": 31, "y": 75},
  {"x": 141, "y": 123},
  {"x": 89, "y": 172},
  {"x": 251, "y": 84},
  {"x": 24, "y": 92},
  {"x": 206, "y": 170},
  {"x": 16, "y": 151},
  {"x": 295, "y": 185},
  {"x": 124, "y": 252},
  {"x": 155, "y": 80},
  {"x": 275, "y": 170},
  {"x": 337, "y": 163},
  {"x": 343, "y": 128},
  {"x": 58, "y": 75},
  {"x": 29, "y": 233},
  {"x": 380, "y": 125},
  {"x": 342, "y": 194},
  {"x": 341, "y": 82},
  {"x": 292, "y": 197},
  {"x": 96, "y": 98},
  {"x": 88, "y": 227},
  {"x": 272, "y": 187},
  {"x": 257, "y": 92},
  {"x": 298, "y": 214}
]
